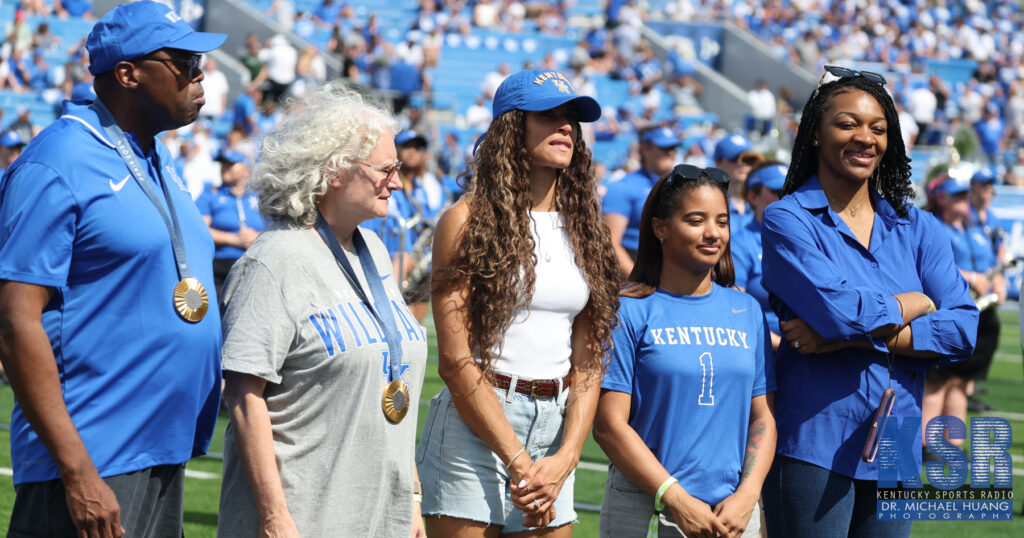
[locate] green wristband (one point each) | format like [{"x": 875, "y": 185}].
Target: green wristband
[{"x": 659, "y": 505}]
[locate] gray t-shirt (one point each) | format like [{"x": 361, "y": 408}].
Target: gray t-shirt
[{"x": 291, "y": 317}]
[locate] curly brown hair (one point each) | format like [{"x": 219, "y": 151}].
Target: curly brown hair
[{"x": 495, "y": 257}]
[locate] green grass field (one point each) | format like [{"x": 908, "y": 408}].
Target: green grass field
[{"x": 1004, "y": 389}]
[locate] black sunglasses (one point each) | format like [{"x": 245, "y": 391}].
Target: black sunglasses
[
  {"x": 188, "y": 66},
  {"x": 684, "y": 173},
  {"x": 846, "y": 72}
]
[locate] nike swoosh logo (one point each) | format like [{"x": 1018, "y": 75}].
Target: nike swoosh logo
[
  {"x": 734, "y": 311},
  {"x": 118, "y": 186}
]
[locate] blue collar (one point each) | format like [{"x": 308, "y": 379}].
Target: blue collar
[
  {"x": 85, "y": 115},
  {"x": 811, "y": 197}
]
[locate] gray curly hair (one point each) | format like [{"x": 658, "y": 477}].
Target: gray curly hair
[{"x": 321, "y": 134}]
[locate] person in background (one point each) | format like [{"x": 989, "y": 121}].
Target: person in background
[
  {"x": 623, "y": 204},
  {"x": 524, "y": 298},
  {"x": 215, "y": 88},
  {"x": 948, "y": 386},
  {"x": 662, "y": 378},
  {"x": 107, "y": 333},
  {"x": 867, "y": 300},
  {"x": 764, "y": 186},
  {"x": 323, "y": 363},
  {"x": 734, "y": 154},
  {"x": 11, "y": 146},
  {"x": 231, "y": 211},
  {"x": 417, "y": 205}
]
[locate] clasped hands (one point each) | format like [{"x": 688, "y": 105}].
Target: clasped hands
[{"x": 535, "y": 486}]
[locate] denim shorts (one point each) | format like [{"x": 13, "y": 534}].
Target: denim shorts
[
  {"x": 627, "y": 510},
  {"x": 462, "y": 478}
]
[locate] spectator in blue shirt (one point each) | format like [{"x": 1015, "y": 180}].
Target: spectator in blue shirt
[
  {"x": 992, "y": 134},
  {"x": 764, "y": 186},
  {"x": 623, "y": 204},
  {"x": 949, "y": 386},
  {"x": 735, "y": 155},
  {"x": 231, "y": 212},
  {"x": 868, "y": 297}
]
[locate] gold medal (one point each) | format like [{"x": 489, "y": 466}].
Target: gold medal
[
  {"x": 395, "y": 400},
  {"x": 190, "y": 300}
]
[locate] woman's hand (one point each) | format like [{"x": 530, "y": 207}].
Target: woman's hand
[
  {"x": 278, "y": 526},
  {"x": 802, "y": 337},
  {"x": 693, "y": 516},
  {"x": 418, "y": 530},
  {"x": 734, "y": 512},
  {"x": 543, "y": 482}
]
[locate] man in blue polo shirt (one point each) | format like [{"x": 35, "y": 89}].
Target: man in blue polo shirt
[
  {"x": 624, "y": 202},
  {"x": 106, "y": 329}
]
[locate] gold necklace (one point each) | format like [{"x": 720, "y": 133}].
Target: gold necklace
[{"x": 852, "y": 210}]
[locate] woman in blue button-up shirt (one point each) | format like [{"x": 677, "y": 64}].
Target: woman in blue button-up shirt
[{"x": 868, "y": 296}]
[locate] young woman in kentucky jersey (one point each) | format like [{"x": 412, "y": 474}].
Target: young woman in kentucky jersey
[{"x": 686, "y": 408}]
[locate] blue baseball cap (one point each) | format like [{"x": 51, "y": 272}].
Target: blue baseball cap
[
  {"x": 536, "y": 90},
  {"x": 663, "y": 137},
  {"x": 11, "y": 139},
  {"x": 983, "y": 175},
  {"x": 139, "y": 28},
  {"x": 228, "y": 155},
  {"x": 952, "y": 186},
  {"x": 731, "y": 147},
  {"x": 773, "y": 177},
  {"x": 407, "y": 136}
]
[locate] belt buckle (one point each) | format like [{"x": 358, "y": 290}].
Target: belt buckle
[{"x": 533, "y": 389}]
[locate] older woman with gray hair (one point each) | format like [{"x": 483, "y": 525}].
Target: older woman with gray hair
[{"x": 322, "y": 359}]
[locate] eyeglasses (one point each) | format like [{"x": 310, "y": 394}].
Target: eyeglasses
[
  {"x": 388, "y": 172},
  {"x": 188, "y": 67},
  {"x": 845, "y": 72}
]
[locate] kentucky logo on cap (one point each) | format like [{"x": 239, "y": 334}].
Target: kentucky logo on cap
[{"x": 529, "y": 91}]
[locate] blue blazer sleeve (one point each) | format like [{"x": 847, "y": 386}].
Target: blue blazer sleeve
[
  {"x": 953, "y": 328},
  {"x": 812, "y": 286}
]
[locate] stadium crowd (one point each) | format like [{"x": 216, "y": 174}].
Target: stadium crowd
[{"x": 243, "y": 161}]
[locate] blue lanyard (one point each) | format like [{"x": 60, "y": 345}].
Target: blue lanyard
[
  {"x": 171, "y": 221},
  {"x": 380, "y": 307}
]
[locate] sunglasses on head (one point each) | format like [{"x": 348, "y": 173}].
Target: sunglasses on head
[
  {"x": 685, "y": 173},
  {"x": 845, "y": 72}
]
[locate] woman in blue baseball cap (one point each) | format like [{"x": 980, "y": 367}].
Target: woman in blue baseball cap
[
  {"x": 947, "y": 386},
  {"x": 524, "y": 298}
]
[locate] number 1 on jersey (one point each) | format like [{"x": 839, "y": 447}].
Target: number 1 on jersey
[{"x": 707, "y": 397}]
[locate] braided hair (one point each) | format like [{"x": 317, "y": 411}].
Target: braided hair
[{"x": 892, "y": 176}]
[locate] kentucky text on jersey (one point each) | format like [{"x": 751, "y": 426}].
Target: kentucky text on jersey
[
  {"x": 699, "y": 336},
  {"x": 356, "y": 313}
]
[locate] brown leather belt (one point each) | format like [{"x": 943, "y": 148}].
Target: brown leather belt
[{"x": 536, "y": 388}]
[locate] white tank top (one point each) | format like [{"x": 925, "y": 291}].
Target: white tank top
[{"x": 537, "y": 344}]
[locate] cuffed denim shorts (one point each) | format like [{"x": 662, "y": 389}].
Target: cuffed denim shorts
[
  {"x": 463, "y": 479},
  {"x": 627, "y": 510}
]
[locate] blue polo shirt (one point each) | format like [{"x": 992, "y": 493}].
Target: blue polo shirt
[
  {"x": 972, "y": 248},
  {"x": 815, "y": 269},
  {"x": 993, "y": 227},
  {"x": 746, "y": 261},
  {"x": 141, "y": 384},
  {"x": 226, "y": 211},
  {"x": 691, "y": 365},
  {"x": 626, "y": 197}
]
